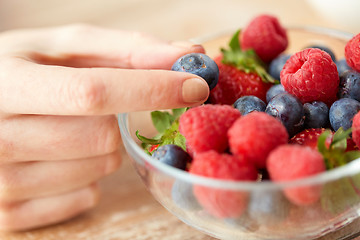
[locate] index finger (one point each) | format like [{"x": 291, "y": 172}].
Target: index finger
[{"x": 30, "y": 88}]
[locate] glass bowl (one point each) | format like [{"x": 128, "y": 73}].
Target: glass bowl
[{"x": 265, "y": 212}]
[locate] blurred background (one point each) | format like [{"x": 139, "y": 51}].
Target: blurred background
[{"x": 176, "y": 20}]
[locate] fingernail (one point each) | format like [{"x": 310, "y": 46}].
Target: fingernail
[
  {"x": 189, "y": 45},
  {"x": 195, "y": 90}
]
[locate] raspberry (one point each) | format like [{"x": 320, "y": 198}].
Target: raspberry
[
  {"x": 266, "y": 36},
  {"x": 290, "y": 162},
  {"x": 311, "y": 75},
  {"x": 205, "y": 127},
  {"x": 234, "y": 83},
  {"x": 352, "y": 52},
  {"x": 356, "y": 129},
  {"x": 255, "y": 135},
  {"x": 218, "y": 202}
]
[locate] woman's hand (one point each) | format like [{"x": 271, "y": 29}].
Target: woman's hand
[{"x": 60, "y": 89}]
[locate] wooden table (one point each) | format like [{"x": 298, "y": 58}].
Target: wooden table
[{"x": 127, "y": 210}]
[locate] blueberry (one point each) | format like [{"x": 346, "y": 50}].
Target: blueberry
[
  {"x": 248, "y": 104},
  {"x": 326, "y": 49},
  {"x": 277, "y": 65},
  {"x": 316, "y": 115},
  {"x": 342, "y": 66},
  {"x": 273, "y": 91},
  {"x": 182, "y": 194},
  {"x": 198, "y": 64},
  {"x": 172, "y": 155},
  {"x": 349, "y": 85},
  {"x": 342, "y": 112},
  {"x": 268, "y": 206},
  {"x": 289, "y": 110}
]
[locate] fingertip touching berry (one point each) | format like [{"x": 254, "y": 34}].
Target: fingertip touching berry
[{"x": 200, "y": 65}]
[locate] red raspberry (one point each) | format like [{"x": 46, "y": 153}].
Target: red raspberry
[
  {"x": 311, "y": 75},
  {"x": 234, "y": 83},
  {"x": 266, "y": 36},
  {"x": 290, "y": 162},
  {"x": 255, "y": 135},
  {"x": 205, "y": 127},
  {"x": 352, "y": 52},
  {"x": 222, "y": 203},
  {"x": 356, "y": 129}
]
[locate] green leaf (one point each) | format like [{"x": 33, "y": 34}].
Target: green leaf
[
  {"x": 178, "y": 112},
  {"x": 352, "y": 155},
  {"x": 234, "y": 43},
  {"x": 146, "y": 140},
  {"x": 161, "y": 120},
  {"x": 321, "y": 144},
  {"x": 245, "y": 60}
]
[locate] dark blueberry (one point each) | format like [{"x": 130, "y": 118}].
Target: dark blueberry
[
  {"x": 198, "y": 64},
  {"x": 273, "y": 91},
  {"x": 268, "y": 206},
  {"x": 289, "y": 110},
  {"x": 248, "y": 104},
  {"x": 182, "y": 194},
  {"x": 172, "y": 155},
  {"x": 316, "y": 115},
  {"x": 326, "y": 49},
  {"x": 342, "y": 66},
  {"x": 342, "y": 112},
  {"x": 277, "y": 65},
  {"x": 349, "y": 85}
]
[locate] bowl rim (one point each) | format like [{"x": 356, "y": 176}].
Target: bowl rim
[{"x": 132, "y": 147}]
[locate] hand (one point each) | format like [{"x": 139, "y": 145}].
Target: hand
[{"x": 60, "y": 89}]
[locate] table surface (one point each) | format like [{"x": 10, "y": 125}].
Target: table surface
[{"x": 127, "y": 210}]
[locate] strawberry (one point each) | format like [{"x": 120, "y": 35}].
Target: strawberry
[
  {"x": 309, "y": 137},
  {"x": 311, "y": 75},
  {"x": 266, "y": 36},
  {"x": 290, "y": 162},
  {"x": 240, "y": 73},
  {"x": 352, "y": 52},
  {"x": 219, "y": 202},
  {"x": 204, "y": 127},
  {"x": 255, "y": 135}
]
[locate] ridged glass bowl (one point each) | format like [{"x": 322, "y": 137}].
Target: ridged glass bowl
[{"x": 266, "y": 213}]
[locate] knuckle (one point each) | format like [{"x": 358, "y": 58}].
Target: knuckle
[
  {"x": 87, "y": 95},
  {"x": 109, "y": 138}
]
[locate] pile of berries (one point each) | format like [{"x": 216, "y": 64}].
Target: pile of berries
[{"x": 270, "y": 116}]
